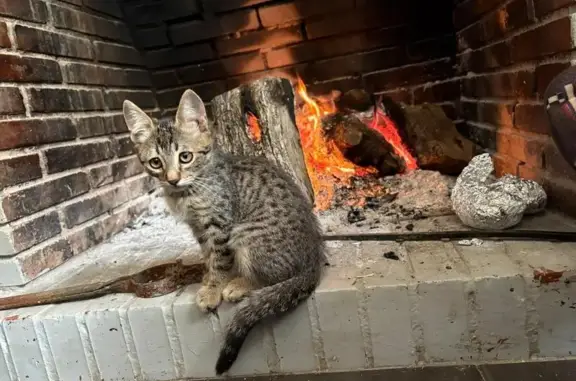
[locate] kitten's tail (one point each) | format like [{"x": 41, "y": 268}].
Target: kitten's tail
[{"x": 269, "y": 301}]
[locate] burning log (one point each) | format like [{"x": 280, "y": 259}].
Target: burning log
[
  {"x": 360, "y": 144},
  {"x": 258, "y": 119},
  {"x": 436, "y": 141}
]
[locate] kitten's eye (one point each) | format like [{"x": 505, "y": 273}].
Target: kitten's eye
[
  {"x": 155, "y": 163},
  {"x": 186, "y": 157}
]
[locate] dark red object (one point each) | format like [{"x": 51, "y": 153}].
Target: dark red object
[
  {"x": 152, "y": 282},
  {"x": 560, "y": 98}
]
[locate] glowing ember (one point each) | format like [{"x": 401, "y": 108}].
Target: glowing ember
[
  {"x": 382, "y": 124},
  {"x": 327, "y": 166},
  {"x": 253, "y": 127}
]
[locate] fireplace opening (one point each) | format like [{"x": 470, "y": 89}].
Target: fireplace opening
[{"x": 393, "y": 117}]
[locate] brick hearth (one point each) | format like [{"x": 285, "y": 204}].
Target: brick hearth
[{"x": 68, "y": 176}]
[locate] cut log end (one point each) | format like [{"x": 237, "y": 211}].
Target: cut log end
[{"x": 258, "y": 119}]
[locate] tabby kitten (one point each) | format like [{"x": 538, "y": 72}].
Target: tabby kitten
[{"x": 259, "y": 237}]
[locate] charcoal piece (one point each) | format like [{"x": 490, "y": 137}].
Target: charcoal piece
[
  {"x": 482, "y": 201},
  {"x": 355, "y": 215},
  {"x": 391, "y": 255}
]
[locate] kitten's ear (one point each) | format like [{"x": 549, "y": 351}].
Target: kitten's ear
[
  {"x": 139, "y": 124},
  {"x": 191, "y": 110}
]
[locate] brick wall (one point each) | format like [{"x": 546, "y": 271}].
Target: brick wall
[
  {"x": 385, "y": 46},
  {"x": 508, "y": 52},
  {"x": 68, "y": 178}
]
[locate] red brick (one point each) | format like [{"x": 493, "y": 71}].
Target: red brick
[
  {"x": 504, "y": 85},
  {"x": 229, "y": 5},
  {"x": 505, "y": 20},
  {"x": 440, "y": 92},
  {"x": 49, "y": 257},
  {"x": 26, "y": 69},
  {"x": 12, "y": 102},
  {"x": 399, "y": 96},
  {"x": 111, "y": 173},
  {"x": 431, "y": 49},
  {"x": 355, "y": 64},
  {"x": 78, "y": 155},
  {"x": 31, "y": 132},
  {"x": 202, "y": 30},
  {"x": 82, "y": 211},
  {"x": 354, "y": 21},
  {"x": 124, "y": 146},
  {"x": 259, "y": 40},
  {"x": 29, "y": 10},
  {"x": 59, "y": 100},
  {"x": 409, "y": 75},
  {"x": 537, "y": 43},
  {"x": 143, "y": 98},
  {"x": 496, "y": 114},
  {"x": 470, "y": 11},
  {"x": 546, "y": 73},
  {"x": 313, "y": 50},
  {"x": 100, "y": 125},
  {"x": 472, "y": 37},
  {"x": 43, "y": 41},
  {"x": 151, "y": 38},
  {"x": 494, "y": 56},
  {"x": 165, "y": 79},
  {"x": 279, "y": 14},
  {"x": 44, "y": 195},
  {"x": 235, "y": 65},
  {"x": 543, "y": 7},
  {"x": 291, "y": 73},
  {"x": 109, "y": 7},
  {"x": 481, "y": 134},
  {"x": 114, "y": 53},
  {"x": 19, "y": 169},
  {"x": 505, "y": 165},
  {"x": 469, "y": 111},
  {"x": 207, "y": 91},
  {"x": 71, "y": 19},
  {"x": 38, "y": 230},
  {"x": 89, "y": 74},
  {"x": 527, "y": 149},
  {"x": 98, "y": 231},
  {"x": 342, "y": 84},
  {"x": 178, "y": 56},
  {"x": 4, "y": 39},
  {"x": 532, "y": 118},
  {"x": 142, "y": 13}
]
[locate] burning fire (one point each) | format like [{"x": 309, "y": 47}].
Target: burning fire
[
  {"x": 382, "y": 124},
  {"x": 253, "y": 127},
  {"x": 326, "y": 165}
]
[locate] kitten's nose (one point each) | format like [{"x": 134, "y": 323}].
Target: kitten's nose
[{"x": 173, "y": 177}]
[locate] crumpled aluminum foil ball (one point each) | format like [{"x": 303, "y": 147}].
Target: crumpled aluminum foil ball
[{"x": 482, "y": 201}]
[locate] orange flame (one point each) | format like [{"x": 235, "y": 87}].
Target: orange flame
[
  {"x": 253, "y": 127},
  {"x": 326, "y": 165}
]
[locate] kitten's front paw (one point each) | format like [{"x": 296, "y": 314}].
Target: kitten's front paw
[
  {"x": 236, "y": 290},
  {"x": 208, "y": 298}
]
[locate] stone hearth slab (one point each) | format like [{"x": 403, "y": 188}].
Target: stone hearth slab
[{"x": 439, "y": 303}]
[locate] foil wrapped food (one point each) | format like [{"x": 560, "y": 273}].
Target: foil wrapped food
[{"x": 483, "y": 201}]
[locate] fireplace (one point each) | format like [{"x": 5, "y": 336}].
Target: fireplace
[
  {"x": 374, "y": 83},
  {"x": 391, "y": 100}
]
